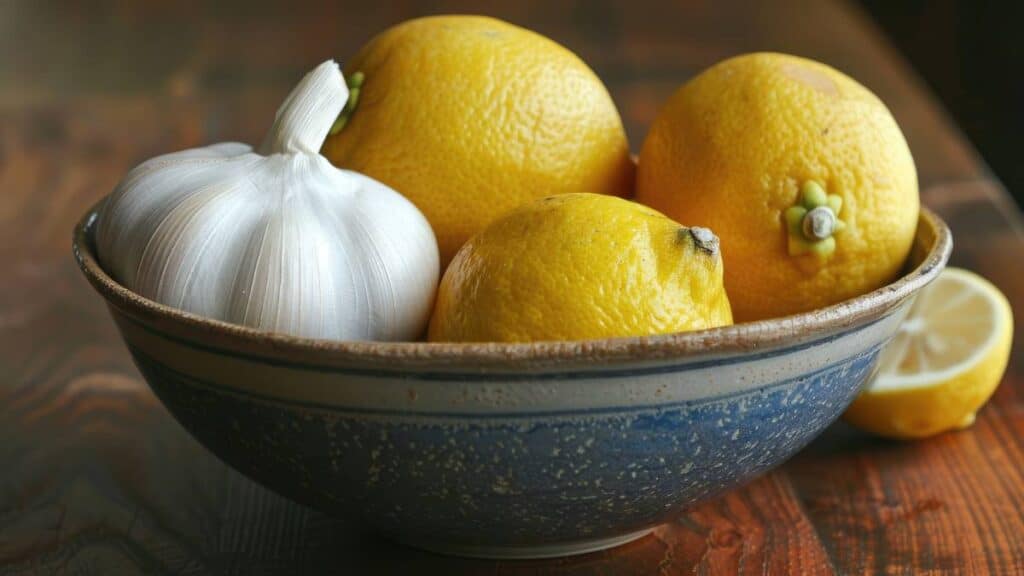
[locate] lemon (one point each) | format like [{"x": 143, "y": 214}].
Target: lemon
[
  {"x": 944, "y": 363},
  {"x": 581, "y": 266},
  {"x": 469, "y": 116},
  {"x": 802, "y": 172}
]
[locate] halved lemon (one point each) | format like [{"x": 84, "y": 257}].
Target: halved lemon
[{"x": 944, "y": 363}]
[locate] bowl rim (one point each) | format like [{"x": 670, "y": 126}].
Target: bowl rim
[{"x": 726, "y": 340}]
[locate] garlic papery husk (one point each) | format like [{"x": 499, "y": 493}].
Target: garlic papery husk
[{"x": 279, "y": 240}]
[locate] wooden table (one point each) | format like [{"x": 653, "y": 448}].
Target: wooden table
[{"x": 95, "y": 476}]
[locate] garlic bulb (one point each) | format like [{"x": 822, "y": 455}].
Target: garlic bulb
[{"x": 280, "y": 239}]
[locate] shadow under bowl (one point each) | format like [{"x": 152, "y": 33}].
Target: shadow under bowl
[{"x": 512, "y": 450}]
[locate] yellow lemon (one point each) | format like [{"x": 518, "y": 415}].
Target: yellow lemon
[
  {"x": 802, "y": 173},
  {"x": 469, "y": 117},
  {"x": 581, "y": 266},
  {"x": 944, "y": 364}
]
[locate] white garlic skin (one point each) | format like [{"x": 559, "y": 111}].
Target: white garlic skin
[{"x": 282, "y": 241}]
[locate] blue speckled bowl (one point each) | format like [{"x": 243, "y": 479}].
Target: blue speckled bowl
[{"x": 523, "y": 450}]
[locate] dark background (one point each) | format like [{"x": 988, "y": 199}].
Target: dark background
[{"x": 969, "y": 52}]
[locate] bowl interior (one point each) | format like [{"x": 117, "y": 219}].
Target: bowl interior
[{"x": 931, "y": 249}]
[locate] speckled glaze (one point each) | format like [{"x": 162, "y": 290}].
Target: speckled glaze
[{"x": 512, "y": 450}]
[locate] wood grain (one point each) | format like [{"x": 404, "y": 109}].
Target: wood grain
[{"x": 95, "y": 476}]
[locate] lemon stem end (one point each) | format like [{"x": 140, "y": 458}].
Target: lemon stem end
[
  {"x": 813, "y": 221},
  {"x": 355, "y": 84},
  {"x": 704, "y": 239}
]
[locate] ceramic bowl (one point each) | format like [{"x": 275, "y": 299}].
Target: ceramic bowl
[{"x": 512, "y": 450}]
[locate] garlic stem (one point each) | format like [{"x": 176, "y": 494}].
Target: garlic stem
[{"x": 304, "y": 119}]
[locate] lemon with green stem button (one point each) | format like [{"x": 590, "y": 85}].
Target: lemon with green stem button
[
  {"x": 944, "y": 363},
  {"x": 578, "y": 267},
  {"x": 802, "y": 172}
]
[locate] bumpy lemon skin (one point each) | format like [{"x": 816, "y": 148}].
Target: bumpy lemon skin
[
  {"x": 732, "y": 149},
  {"x": 469, "y": 116},
  {"x": 952, "y": 405},
  {"x": 578, "y": 267}
]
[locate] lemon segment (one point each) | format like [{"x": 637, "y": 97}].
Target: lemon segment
[{"x": 944, "y": 363}]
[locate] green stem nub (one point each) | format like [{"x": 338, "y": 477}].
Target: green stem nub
[{"x": 355, "y": 84}]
